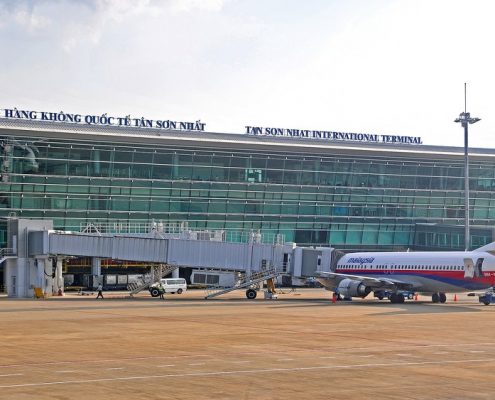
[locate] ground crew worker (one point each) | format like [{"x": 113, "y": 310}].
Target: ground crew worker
[
  {"x": 100, "y": 291},
  {"x": 161, "y": 289}
]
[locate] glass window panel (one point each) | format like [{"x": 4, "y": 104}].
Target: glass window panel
[
  {"x": 370, "y": 234},
  {"x": 275, "y": 170},
  {"x": 420, "y": 211},
  {"x": 271, "y": 208},
  {"x": 338, "y": 234},
  {"x": 217, "y": 207},
  {"x": 385, "y": 237},
  {"x": 354, "y": 234},
  {"x": 235, "y": 207},
  {"x": 323, "y": 209},
  {"x": 306, "y": 209}
]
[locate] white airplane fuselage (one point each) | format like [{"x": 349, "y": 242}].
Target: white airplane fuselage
[{"x": 428, "y": 272}]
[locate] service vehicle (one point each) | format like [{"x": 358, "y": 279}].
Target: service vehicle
[{"x": 169, "y": 285}]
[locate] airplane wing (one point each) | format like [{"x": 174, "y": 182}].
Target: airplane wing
[{"x": 374, "y": 283}]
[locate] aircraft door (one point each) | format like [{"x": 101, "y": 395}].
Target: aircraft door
[
  {"x": 478, "y": 269},
  {"x": 468, "y": 268}
]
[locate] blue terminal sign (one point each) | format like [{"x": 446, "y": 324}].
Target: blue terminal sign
[
  {"x": 330, "y": 135},
  {"x": 102, "y": 120}
]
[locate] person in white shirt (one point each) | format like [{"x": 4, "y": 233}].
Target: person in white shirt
[{"x": 100, "y": 291}]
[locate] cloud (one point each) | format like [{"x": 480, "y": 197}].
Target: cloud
[
  {"x": 80, "y": 22},
  {"x": 22, "y": 13},
  {"x": 380, "y": 66},
  {"x": 190, "y": 5}
]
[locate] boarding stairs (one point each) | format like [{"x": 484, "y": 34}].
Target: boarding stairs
[
  {"x": 156, "y": 273},
  {"x": 6, "y": 253},
  {"x": 253, "y": 280}
]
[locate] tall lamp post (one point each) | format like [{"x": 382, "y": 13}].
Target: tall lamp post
[{"x": 465, "y": 119}]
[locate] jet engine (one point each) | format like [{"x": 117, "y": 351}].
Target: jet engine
[{"x": 352, "y": 288}]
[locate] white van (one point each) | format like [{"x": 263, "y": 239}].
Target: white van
[{"x": 171, "y": 285}]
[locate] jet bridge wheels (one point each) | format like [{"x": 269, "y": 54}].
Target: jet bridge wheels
[
  {"x": 438, "y": 298},
  {"x": 251, "y": 294},
  {"x": 396, "y": 298}
]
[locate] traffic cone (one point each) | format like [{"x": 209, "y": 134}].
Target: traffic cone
[
  {"x": 455, "y": 297},
  {"x": 415, "y": 297},
  {"x": 334, "y": 298}
]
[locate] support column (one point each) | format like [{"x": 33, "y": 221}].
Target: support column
[
  {"x": 249, "y": 261},
  {"x": 11, "y": 277},
  {"x": 175, "y": 273},
  {"x": 22, "y": 275},
  {"x": 24, "y": 272},
  {"x": 175, "y": 165},
  {"x": 96, "y": 271},
  {"x": 58, "y": 282},
  {"x": 96, "y": 161},
  {"x": 17, "y": 271},
  {"x": 40, "y": 274},
  {"x": 47, "y": 266},
  {"x": 317, "y": 172}
]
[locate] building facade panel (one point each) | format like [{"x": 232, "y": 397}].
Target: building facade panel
[{"x": 350, "y": 197}]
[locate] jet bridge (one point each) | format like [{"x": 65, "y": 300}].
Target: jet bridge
[{"x": 36, "y": 251}]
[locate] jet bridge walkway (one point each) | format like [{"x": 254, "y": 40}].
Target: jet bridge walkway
[{"x": 37, "y": 251}]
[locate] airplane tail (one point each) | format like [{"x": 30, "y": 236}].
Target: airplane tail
[{"x": 487, "y": 248}]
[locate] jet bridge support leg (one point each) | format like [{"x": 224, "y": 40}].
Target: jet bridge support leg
[
  {"x": 58, "y": 282},
  {"x": 96, "y": 271},
  {"x": 44, "y": 278},
  {"x": 23, "y": 275}
]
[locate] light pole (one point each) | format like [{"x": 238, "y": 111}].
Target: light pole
[{"x": 465, "y": 119}]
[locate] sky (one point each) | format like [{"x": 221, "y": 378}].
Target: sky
[{"x": 392, "y": 67}]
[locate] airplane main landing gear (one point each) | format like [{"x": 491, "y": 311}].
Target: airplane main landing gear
[{"x": 438, "y": 298}]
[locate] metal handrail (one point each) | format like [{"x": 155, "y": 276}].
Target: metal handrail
[
  {"x": 181, "y": 228},
  {"x": 255, "y": 278},
  {"x": 6, "y": 252}
]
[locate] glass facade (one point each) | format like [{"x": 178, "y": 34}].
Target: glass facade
[{"x": 368, "y": 198}]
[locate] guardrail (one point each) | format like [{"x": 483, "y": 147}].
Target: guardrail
[
  {"x": 180, "y": 230},
  {"x": 6, "y": 252}
]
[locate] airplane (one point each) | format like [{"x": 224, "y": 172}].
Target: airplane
[{"x": 398, "y": 274}]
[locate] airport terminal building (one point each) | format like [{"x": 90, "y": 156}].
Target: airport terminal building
[{"x": 350, "y": 191}]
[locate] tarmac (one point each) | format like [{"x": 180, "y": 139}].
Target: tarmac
[{"x": 299, "y": 346}]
